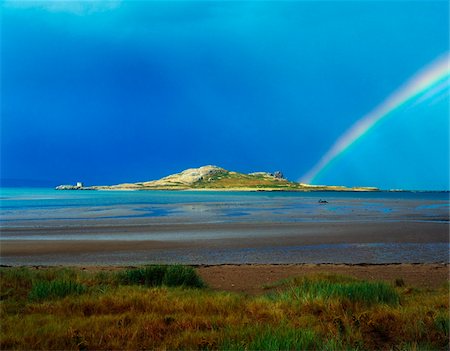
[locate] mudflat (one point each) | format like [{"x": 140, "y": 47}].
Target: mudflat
[
  {"x": 221, "y": 243},
  {"x": 131, "y": 228},
  {"x": 303, "y": 233}
]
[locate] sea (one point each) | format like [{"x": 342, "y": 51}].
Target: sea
[{"x": 46, "y": 215}]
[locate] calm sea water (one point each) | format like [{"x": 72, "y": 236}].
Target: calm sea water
[
  {"x": 31, "y": 206},
  {"x": 23, "y": 210}
]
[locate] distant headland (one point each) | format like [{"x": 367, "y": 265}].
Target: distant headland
[{"x": 218, "y": 179}]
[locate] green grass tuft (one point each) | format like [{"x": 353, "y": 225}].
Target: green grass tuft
[
  {"x": 285, "y": 339},
  {"x": 44, "y": 290},
  {"x": 442, "y": 323},
  {"x": 368, "y": 293},
  {"x": 182, "y": 276},
  {"x": 148, "y": 276},
  {"x": 269, "y": 338},
  {"x": 157, "y": 275}
]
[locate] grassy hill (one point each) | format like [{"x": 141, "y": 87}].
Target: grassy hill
[
  {"x": 217, "y": 178},
  {"x": 225, "y": 179}
]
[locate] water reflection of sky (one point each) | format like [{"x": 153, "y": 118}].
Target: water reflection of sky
[{"x": 74, "y": 207}]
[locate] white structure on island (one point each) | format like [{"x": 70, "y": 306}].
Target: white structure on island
[{"x": 79, "y": 184}]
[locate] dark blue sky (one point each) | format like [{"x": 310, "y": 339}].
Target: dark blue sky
[{"x": 132, "y": 91}]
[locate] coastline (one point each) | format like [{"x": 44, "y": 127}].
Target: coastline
[
  {"x": 255, "y": 279},
  {"x": 239, "y": 189}
]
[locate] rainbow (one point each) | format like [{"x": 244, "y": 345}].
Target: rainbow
[{"x": 427, "y": 83}]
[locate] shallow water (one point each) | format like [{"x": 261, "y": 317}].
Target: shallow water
[
  {"x": 47, "y": 215},
  {"x": 31, "y": 207}
]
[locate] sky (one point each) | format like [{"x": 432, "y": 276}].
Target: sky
[{"x": 126, "y": 91}]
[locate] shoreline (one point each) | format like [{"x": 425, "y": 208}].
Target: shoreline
[
  {"x": 310, "y": 189},
  {"x": 254, "y": 279}
]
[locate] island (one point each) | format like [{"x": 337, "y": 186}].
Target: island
[{"x": 218, "y": 179}]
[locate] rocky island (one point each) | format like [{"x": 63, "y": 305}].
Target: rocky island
[{"x": 217, "y": 178}]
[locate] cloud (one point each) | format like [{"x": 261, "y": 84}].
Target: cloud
[{"x": 77, "y": 7}]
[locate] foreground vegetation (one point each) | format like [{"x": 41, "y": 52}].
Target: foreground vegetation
[{"x": 169, "y": 307}]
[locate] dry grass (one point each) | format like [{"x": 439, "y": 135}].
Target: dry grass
[{"x": 110, "y": 315}]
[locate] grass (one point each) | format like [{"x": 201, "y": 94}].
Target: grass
[
  {"x": 44, "y": 290},
  {"x": 273, "y": 338},
  {"x": 363, "y": 292},
  {"x": 157, "y": 275},
  {"x": 225, "y": 179},
  {"x": 169, "y": 307}
]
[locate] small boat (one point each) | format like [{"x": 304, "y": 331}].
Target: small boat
[{"x": 323, "y": 201}]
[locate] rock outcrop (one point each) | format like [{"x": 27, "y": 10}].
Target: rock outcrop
[
  {"x": 68, "y": 187},
  {"x": 188, "y": 177},
  {"x": 74, "y": 187}
]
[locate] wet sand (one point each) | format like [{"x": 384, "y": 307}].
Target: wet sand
[{"x": 336, "y": 242}]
